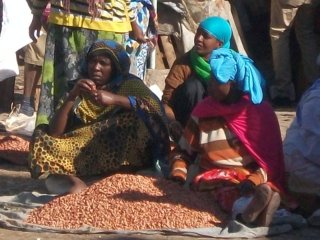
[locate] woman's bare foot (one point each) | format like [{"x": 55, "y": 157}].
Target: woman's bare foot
[
  {"x": 259, "y": 202},
  {"x": 266, "y": 216},
  {"x": 64, "y": 184}
]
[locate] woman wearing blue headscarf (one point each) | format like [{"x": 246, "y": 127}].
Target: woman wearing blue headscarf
[
  {"x": 187, "y": 80},
  {"x": 108, "y": 122},
  {"x": 234, "y": 139}
]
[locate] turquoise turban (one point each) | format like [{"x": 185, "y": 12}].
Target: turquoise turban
[
  {"x": 219, "y": 28},
  {"x": 228, "y": 65}
]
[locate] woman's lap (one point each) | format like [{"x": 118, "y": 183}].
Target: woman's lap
[{"x": 99, "y": 148}]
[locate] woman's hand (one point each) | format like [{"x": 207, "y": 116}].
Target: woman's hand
[
  {"x": 35, "y": 27},
  {"x": 83, "y": 86},
  {"x": 101, "y": 96},
  {"x": 105, "y": 98},
  {"x": 137, "y": 35}
]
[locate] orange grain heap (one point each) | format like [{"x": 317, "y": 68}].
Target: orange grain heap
[{"x": 129, "y": 202}]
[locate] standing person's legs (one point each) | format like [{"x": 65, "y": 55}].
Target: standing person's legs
[
  {"x": 34, "y": 55},
  {"x": 7, "y": 94},
  {"x": 280, "y": 26},
  {"x": 32, "y": 75},
  {"x": 21, "y": 120},
  {"x": 306, "y": 36}
]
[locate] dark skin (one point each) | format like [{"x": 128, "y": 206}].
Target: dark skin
[
  {"x": 204, "y": 44},
  {"x": 100, "y": 70},
  {"x": 35, "y": 26},
  {"x": 137, "y": 34}
]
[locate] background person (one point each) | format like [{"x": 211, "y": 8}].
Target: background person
[
  {"x": 140, "y": 51},
  {"x": 14, "y": 36},
  {"x": 287, "y": 15},
  {"x": 72, "y": 27},
  {"x": 301, "y": 151}
]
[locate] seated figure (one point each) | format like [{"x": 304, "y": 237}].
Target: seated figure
[
  {"x": 108, "y": 122},
  {"x": 233, "y": 138},
  {"x": 188, "y": 77},
  {"x": 302, "y": 152}
]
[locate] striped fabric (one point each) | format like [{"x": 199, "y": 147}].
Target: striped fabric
[
  {"x": 113, "y": 15},
  {"x": 218, "y": 148}
]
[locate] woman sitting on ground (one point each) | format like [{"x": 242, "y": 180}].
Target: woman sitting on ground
[
  {"x": 110, "y": 121},
  {"x": 302, "y": 154},
  {"x": 187, "y": 80},
  {"x": 233, "y": 136}
]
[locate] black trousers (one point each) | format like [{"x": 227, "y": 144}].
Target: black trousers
[{"x": 185, "y": 97}]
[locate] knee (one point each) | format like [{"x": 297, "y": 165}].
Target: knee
[{"x": 190, "y": 90}]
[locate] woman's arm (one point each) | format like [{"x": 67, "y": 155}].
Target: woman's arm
[
  {"x": 38, "y": 7},
  {"x": 58, "y": 123},
  {"x": 137, "y": 33}
]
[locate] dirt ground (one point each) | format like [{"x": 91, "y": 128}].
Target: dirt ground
[{"x": 15, "y": 179}]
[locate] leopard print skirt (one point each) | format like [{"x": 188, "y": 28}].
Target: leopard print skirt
[{"x": 106, "y": 146}]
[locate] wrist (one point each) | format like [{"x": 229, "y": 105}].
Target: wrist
[{"x": 71, "y": 97}]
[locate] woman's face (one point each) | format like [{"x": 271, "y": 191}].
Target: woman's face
[
  {"x": 204, "y": 43},
  {"x": 100, "y": 70}
]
